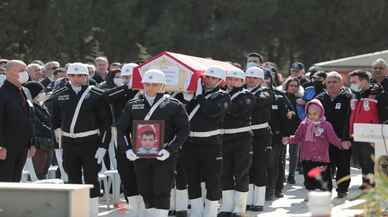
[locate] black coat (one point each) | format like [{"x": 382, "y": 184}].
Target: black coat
[
  {"x": 171, "y": 112},
  {"x": 94, "y": 113},
  {"x": 337, "y": 112},
  {"x": 15, "y": 118},
  {"x": 43, "y": 136}
]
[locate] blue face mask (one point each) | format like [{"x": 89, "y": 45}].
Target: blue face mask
[{"x": 2, "y": 79}]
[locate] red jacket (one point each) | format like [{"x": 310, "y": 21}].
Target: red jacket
[{"x": 363, "y": 110}]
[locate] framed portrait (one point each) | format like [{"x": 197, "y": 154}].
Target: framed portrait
[{"x": 148, "y": 138}]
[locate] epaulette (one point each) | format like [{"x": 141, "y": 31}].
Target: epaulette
[
  {"x": 97, "y": 91},
  {"x": 116, "y": 91},
  {"x": 58, "y": 92}
]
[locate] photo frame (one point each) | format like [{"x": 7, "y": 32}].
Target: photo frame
[{"x": 148, "y": 138}]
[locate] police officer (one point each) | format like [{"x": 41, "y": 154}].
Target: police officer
[
  {"x": 237, "y": 146},
  {"x": 118, "y": 93},
  {"x": 155, "y": 175},
  {"x": 262, "y": 137},
  {"x": 203, "y": 151},
  {"x": 81, "y": 121},
  {"x": 280, "y": 115}
]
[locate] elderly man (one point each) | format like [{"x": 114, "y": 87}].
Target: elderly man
[
  {"x": 48, "y": 71},
  {"x": 102, "y": 66},
  {"x": 15, "y": 123},
  {"x": 35, "y": 72},
  {"x": 380, "y": 73},
  {"x": 336, "y": 100}
]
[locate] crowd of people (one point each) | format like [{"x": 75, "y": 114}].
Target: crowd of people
[{"x": 224, "y": 144}]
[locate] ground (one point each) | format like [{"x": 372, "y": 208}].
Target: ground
[{"x": 292, "y": 204}]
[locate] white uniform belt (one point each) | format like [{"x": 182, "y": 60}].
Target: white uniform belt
[
  {"x": 237, "y": 130},
  {"x": 206, "y": 133},
  {"x": 260, "y": 126},
  {"x": 81, "y": 134}
]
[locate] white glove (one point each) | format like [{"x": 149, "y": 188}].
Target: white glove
[
  {"x": 58, "y": 136},
  {"x": 59, "y": 155},
  {"x": 131, "y": 155},
  {"x": 163, "y": 155},
  {"x": 100, "y": 153}
]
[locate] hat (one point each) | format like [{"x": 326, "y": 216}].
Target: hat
[
  {"x": 127, "y": 69},
  {"x": 297, "y": 66},
  {"x": 255, "y": 72},
  {"x": 77, "y": 69},
  {"x": 34, "y": 87},
  {"x": 215, "y": 72},
  {"x": 154, "y": 76},
  {"x": 238, "y": 73}
]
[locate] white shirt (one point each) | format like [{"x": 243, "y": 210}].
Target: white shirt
[{"x": 150, "y": 99}]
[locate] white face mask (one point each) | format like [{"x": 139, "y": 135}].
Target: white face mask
[
  {"x": 2, "y": 79},
  {"x": 355, "y": 87},
  {"x": 118, "y": 82},
  {"x": 23, "y": 77}
]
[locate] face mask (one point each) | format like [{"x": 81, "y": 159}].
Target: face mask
[
  {"x": 23, "y": 77},
  {"x": 355, "y": 87},
  {"x": 2, "y": 79},
  {"x": 118, "y": 81}
]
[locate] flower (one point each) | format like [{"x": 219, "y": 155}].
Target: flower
[{"x": 314, "y": 173}]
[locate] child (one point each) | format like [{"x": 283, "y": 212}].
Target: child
[{"x": 314, "y": 135}]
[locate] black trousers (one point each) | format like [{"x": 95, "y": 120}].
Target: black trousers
[
  {"x": 154, "y": 180},
  {"x": 237, "y": 159},
  {"x": 78, "y": 161},
  {"x": 274, "y": 163},
  {"x": 180, "y": 175},
  {"x": 12, "y": 167},
  {"x": 312, "y": 183},
  {"x": 282, "y": 169},
  {"x": 127, "y": 174},
  {"x": 260, "y": 160},
  {"x": 364, "y": 152},
  {"x": 340, "y": 162},
  {"x": 203, "y": 162}
]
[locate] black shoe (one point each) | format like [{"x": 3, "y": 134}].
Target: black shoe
[
  {"x": 180, "y": 213},
  {"x": 279, "y": 193},
  {"x": 249, "y": 207},
  {"x": 171, "y": 213},
  {"x": 257, "y": 208},
  {"x": 238, "y": 215},
  {"x": 225, "y": 214},
  {"x": 291, "y": 180},
  {"x": 341, "y": 195},
  {"x": 270, "y": 196}
]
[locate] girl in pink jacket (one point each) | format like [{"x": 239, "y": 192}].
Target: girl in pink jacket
[{"x": 314, "y": 135}]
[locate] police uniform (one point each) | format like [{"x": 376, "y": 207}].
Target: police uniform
[
  {"x": 280, "y": 127},
  {"x": 262, "y": 143},
  {"x": 237, "y": 152},
  {"x": 117, "y": 98},
  {"x": 85, "y": 121},
  {"x": 155, "y": 177},
  {"x": 202, "y": 152}
]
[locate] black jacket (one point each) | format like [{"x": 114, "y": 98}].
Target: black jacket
[
  {"x": 238, "y": 114},
  {"x": 170, "y": 112},
  {"x": 280, "y": 124},
  {"x": 294, "y": 121},
  {"x": 263, "y": 106},
  {"x": 43, "y": 136},
  {"x": 210, "y": 116},
  {"x": 94, "y": 113},
  {"x": 15, "y": 118},
  {"x": 337, "y": 112}
]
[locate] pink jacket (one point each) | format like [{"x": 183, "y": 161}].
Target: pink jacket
[{"x": 316, "y": 150}]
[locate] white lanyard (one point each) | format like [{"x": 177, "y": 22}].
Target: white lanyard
[
  {"x": 196, "y": 108},
  {"x": 236, "y": 94},
  {"x": 154, "y": 107},
  {"x": 78, "y": 108}
]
